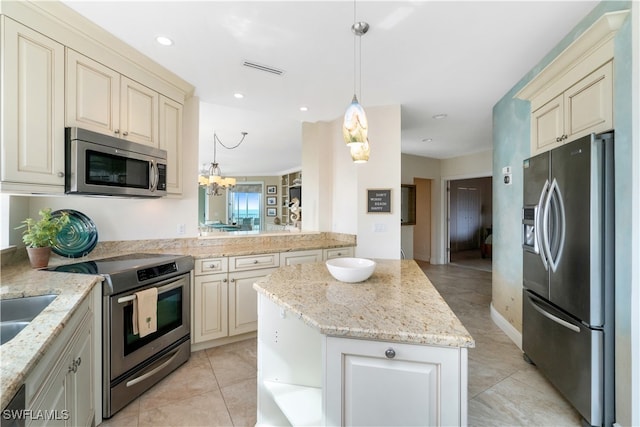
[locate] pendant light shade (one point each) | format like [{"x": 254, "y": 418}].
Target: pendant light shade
[
  {"x": 360, "y": 152},
  {"x": 355, "y": 126}
]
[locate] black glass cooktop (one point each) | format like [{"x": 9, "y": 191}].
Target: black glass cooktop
[{"x": 115, "y": 264}]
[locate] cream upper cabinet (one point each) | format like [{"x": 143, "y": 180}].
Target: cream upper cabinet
[
  {"x": 138, "y": 112},
  {"x": 101, "y": 99},
  {"x": 573, "y": 95},
  {"x": 585, "y": 107},
  {"x": 170, "y": 139},
  {"x": 93, "y": 95},
  {"x": 33, "y": 110}
]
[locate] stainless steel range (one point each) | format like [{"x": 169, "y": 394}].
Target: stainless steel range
[{"x": 131, "y": 364}]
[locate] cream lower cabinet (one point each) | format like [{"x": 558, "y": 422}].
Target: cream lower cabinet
[
  {"x": 307, "y": 378},
  {"x": 344, "y": 252},
  {"x": 101, "y": 99},
  {"x": 300, "y": 257},
  {"x": 62, "y": 387},
  {"x": 32, "y": 139},
  {"x": 224, "y": 301},
  {"x": 372, "y": 383}
]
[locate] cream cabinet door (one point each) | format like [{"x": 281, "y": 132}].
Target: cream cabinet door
[
  {"x": 376, "y": 383},
  {"x": 547, "y": 126},
  {"x": 243, "y": 300},
  {"x": 170, "y": 139},
  {"x": 210, "y": 307},
  {"x": 80, "y": 380},
  {"x": 138, "y": 112},
  {"x": 32, "y": 110},
  {"x": 93, "y": 95},
  {"x": 589, "y": 103}
]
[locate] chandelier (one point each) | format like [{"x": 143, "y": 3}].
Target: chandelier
[
  {"x": 355, "y": 127},
  {"x": 212, "y": 178}
]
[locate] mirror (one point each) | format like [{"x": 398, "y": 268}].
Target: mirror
[{"x": 407, "y": 204}]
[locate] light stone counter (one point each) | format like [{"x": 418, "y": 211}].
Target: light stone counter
[
  {"x": 397, "y": 303},
  {"x": 22, "y": 353}
]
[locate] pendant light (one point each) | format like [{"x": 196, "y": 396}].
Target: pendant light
[
  {"x": 212, "y": 178},
  {"x": 355, "y": 126}
]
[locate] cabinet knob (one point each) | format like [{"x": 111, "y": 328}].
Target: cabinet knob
[
  {"x": 117, "y": 131},
  {"x": 233, "y": 280},
  {"x": 125, "y": 133},
  {"x": 390, "y": 353},
  {"x": 255, "y": 261},
  {"x": 212, "y": 266},
  {"x": 224, "y": 280},
  {"x": 60, "y": 174}
]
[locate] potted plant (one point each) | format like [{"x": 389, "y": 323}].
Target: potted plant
[{"x": 40, "y": 235}]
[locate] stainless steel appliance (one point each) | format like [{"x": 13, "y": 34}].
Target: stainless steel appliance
[
  {"x": 99, "y": 164},
  {"x": 131, "y": 365},
  {"x": 568, "y": 306}
]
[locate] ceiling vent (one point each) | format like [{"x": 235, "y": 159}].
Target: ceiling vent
[{"x": 264, "y": 68}]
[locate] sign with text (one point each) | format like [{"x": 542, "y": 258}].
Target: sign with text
[{"x": 379, "y": 201}]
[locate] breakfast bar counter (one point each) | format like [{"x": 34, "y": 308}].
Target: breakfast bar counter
[{"x": 385, "y": 351}]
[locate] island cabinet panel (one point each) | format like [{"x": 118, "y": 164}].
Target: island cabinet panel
[{"x": 393, "y": 384}]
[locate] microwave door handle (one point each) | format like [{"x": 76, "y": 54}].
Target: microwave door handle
[
  {"x": 538, "y": 224},
  {"x": 154, "y": 175}
]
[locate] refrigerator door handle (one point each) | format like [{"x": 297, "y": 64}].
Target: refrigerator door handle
[
  {"x": 556, "y": 195},
  {"x": 538, "y": 225},
  {"x": 553, "y": 318}
]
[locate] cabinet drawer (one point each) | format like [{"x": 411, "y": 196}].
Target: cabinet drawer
[
  {"x": 337, "y": 253},
  {"x": 300, "y": 257},
  {"x": 241, "y": 263},
  {"x": 211, "y": 265}
]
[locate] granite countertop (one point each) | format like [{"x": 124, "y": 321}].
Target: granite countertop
[
  {"x": 397, "y": 303},
  {"x": 22, "y": 353}
]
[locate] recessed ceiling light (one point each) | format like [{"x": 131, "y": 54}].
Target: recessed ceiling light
[
  {"x": 164, "y": 41},
  {"x": 427, "y": 140},
  {"x": 304, "y": 108},
  {"x": 238, "y": 95},
  {"x": 439, "y": 116}
]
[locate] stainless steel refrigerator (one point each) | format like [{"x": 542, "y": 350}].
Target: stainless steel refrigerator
[{"x": 568, "y": 275}]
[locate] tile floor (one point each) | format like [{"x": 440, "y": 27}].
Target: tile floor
[{"x": 217, "y": 387}]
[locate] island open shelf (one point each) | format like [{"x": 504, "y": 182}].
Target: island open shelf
[{"x": 387, "y": 351}]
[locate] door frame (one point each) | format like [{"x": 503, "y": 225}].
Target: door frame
[{"x": 445, "y": 183}]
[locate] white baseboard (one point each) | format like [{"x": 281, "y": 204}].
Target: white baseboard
[{"x": 502, "y": 323}]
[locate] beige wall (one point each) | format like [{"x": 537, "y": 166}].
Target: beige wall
[{"x": 439, "y": 172}]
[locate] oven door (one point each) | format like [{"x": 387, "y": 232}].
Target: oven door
[{"x": 128, "y": 350}]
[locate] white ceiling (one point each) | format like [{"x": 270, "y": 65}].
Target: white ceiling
[{"x": 431, "y": 57}]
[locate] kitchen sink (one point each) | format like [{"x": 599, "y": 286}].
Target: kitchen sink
[{"x": 16, "y": 313}]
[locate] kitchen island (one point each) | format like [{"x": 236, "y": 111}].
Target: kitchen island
[{"x": 387, "y": 351}]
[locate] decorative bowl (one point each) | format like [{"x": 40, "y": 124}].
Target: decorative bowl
[{"x": 351, "y": 270}]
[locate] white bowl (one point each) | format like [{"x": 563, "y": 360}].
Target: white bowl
[{"x": 351, "y": 270}]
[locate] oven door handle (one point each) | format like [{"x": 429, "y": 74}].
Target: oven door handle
[
  {"x": 155, "y": 370},
  {"x": 161, "y": 289}
]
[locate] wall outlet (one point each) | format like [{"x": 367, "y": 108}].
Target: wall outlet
[
  {"x": 379, "y": 228},
  {"x": 181, "y": 229}
]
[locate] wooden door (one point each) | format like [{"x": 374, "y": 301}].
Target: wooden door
[{"x": 465, "y": 218}]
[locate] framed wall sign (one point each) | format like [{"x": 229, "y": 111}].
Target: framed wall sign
[
  {"x": 271, "y": 201},
  {"x": 272, "y": 189},
  {"x": 271, "y": 211},
  {"x": 379, "y": 200}
]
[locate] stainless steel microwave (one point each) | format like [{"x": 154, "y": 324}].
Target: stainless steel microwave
[{"x": 98, "y": 164}]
